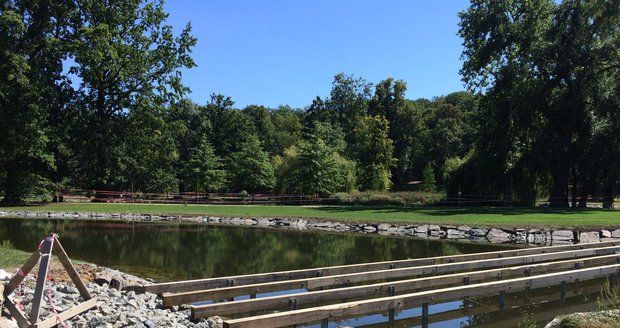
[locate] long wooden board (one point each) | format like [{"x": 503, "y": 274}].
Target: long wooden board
[
  {"x": 66, "y": 263},
  {"x": 417, "y": 299},
  {"x": 381, "y": 289},
  {"x": 46, "y": 255},
  {"x": 80, "y": 308},
  {"x": 16, "y": 313},
  {"x": 337, "y": 280},
  {"x": 200, "y": 284},
  {"x": 22, "y": 273}
]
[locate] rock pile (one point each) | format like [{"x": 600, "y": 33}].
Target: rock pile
[{"x": 115, "y": 308}]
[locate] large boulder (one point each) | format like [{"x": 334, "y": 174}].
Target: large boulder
[
  {"x": 589, "y": 237},
  {"x": 498, "y": 236},
  {"x": 562, "y": 235}
]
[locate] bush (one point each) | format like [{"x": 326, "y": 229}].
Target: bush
[
  {"x": 401, "y": 198},
  {"x": 244, "y": 194},
  {"x": 6, "y": 244}
]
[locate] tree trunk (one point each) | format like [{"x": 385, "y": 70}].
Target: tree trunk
[
  {"x": 585, "y": 189},
  {"x": 558, "y": 196},
  {"x": 574, "y": 191},
  {"x": 609, "y": 193},
  {"x": 12, "y": 195},
  {"x": 508, "y": 193}
]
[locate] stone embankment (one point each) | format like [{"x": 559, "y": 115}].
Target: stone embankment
[{"x": 538, "y": 236}]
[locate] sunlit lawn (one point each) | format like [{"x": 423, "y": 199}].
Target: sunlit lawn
[{"x": 534, "y": 217}]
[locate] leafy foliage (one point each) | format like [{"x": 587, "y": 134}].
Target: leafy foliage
[
  {"x": 91, "y": 97},
  {"x": 251, "y": 169}
]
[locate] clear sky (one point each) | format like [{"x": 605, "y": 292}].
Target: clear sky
[{"x": 273, "y": 52}]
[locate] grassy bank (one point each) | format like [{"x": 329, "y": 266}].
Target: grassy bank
[
  {"x": 488, "y": 216},
  {"x": 11, "y": 257}
]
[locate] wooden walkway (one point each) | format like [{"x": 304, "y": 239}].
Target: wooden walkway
[{"x": 331, "y": 293}]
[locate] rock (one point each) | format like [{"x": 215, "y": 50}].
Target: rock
[
  {"x": 615, "y": 233},
  {"x": 589, "y": 237},
  {"x": 520, "y": 236},
  {"x": 370, "y": 229},
  {"x": 535, "y": 236},
  {"x": 68, "y": 290},
  {"x": 432, "y": 227},
  {"x": 562, "y": 235},
  {"x": 605, "y": 233},
  {"x": 383, "y": 226},
  {"x": 5, "y": 276},
  {"x": 478, "y": 232},
  {"x": 464, "y": 228},
  {"x": 215, "y": 322},
  {"x": 423, "y": 229},
  {"x": 455, "y": 233},
  {"x": 498, "y": 236}
]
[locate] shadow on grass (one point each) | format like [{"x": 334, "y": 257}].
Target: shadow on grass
[{"x": 448, "y": 211}]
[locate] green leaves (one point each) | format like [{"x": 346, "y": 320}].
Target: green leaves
[{"x": 251, "y": 169}]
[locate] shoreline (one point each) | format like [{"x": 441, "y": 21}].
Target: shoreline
[{"x": 482, "y": 234}]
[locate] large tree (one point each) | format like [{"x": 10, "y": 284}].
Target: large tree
[
  {"x": 251, "y": 168},
  {"x": 32, "y": 85},
  {"x": 126, "y": 57},
  {"x": 374, "y": 153}
]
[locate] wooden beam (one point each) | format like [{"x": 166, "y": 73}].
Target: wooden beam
[
  {"x": 197, "y": 284},
  {"x": 66, "y": 263},
  {"x": 476, "y": 310},
  {"x": 46, "y": 254},
  {"x": 16, "y": 313},
  {"x": 337, "y": 280},
  {"x": 66, "y": 315},
  {"x": 22, "y": 273},
  {"x": 380, "y": 289},
  {"x": 416, "y": 299}
]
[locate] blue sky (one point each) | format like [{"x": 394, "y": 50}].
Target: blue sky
[{"x": 273, "y": 52}]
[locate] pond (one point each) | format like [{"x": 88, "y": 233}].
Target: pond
[{"x": 173, "y": 251}]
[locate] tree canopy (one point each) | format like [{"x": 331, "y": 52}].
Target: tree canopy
[{"x": 91, "y": 97}]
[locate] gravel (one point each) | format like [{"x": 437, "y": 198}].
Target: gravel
[{"x": 114, "y": 308}]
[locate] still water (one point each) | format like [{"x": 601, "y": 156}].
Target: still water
[{"x": 173, "y": 251}]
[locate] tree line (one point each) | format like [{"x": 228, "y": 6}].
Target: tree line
[{"x": 92, "y": 98}]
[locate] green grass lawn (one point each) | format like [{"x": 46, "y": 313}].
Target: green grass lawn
[
  {"x": 11, "y": 257},
  {"x": 476, "y": 216}
]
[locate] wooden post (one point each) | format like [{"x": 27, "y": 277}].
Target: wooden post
[
  {"x": 22, "y": 272},
  {"x": 46, "y": 253},
  {"x": 425, "y": 315},
  {"x": 66, "y": 263},
  {"x": 613, "y": 280},
  {"x": 563, "y": 290},
  {"x": 391, "y": 292},
  {"x": 502, "y": 302}
]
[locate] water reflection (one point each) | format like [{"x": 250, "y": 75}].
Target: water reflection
[{"x": 172, "y": 251}]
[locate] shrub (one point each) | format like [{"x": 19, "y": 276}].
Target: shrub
[
  {"x": 401, "y": 198},
  {"x": 6, "y": 244}
]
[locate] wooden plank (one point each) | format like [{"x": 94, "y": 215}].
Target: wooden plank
[
  {"x": 66, "y": 315},
  {"x": 46, "y": 254},
  {"x": 416, "y": 299},
  {"x": 66, "y": 263},
  {"x": 337, "y": 280},
  {"x": 380, "y": 289},
  {"x": 547, "y": 315},
  {"x": 197, "y": 284},
  {"x": 22, "y": 272},
  {"x": 16, "y": 313}
]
